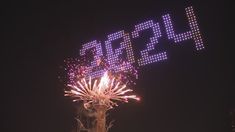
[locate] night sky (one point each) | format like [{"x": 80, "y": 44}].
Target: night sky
[{"x": 191, "y": 91}]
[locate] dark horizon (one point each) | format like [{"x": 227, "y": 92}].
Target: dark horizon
[{"x": 190, "y": 91}]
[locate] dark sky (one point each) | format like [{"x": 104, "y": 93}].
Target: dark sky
[{"x": 192, "y": 91}]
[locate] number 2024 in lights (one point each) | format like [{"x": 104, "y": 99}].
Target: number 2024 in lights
[{"x": 113, "y": 54}]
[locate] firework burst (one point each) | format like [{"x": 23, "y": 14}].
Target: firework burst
[{"x": 106, "y": 91}]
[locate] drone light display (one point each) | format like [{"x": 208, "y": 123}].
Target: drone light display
[{"x": 146, "y": 58}]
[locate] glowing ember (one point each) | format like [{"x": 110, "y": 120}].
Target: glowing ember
[{"x": 105, "y": 91}]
